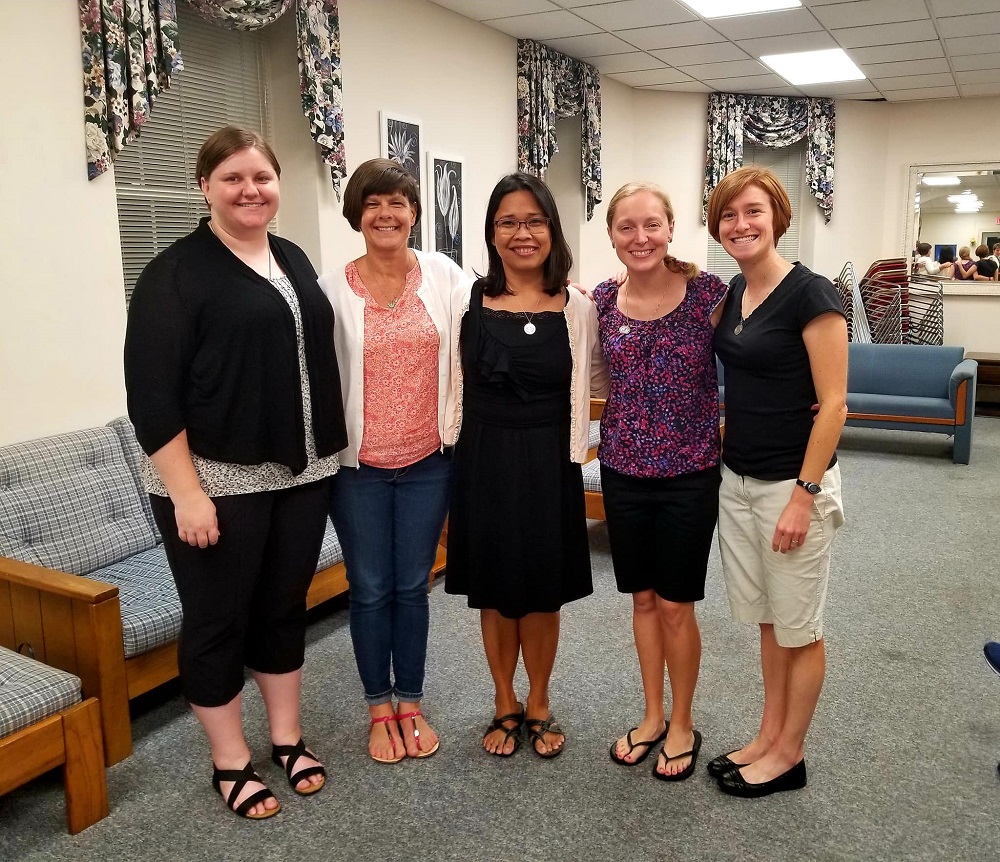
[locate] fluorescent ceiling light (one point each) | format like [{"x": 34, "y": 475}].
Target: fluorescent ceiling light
[
  {"x": 814, "y": 67},
  {"x": 941, "y": 180},
  {"x": 732, "y": 8},
  {"x": 964, "y": 197}
]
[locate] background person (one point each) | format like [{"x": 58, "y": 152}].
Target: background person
[
  {"x": 394, "y": 334},
  {"x": 986, "y": 267},
  {"x": 517, "y": 531},
  {"x": 965, "y": 266},
  {"x": 234, "y": 391},
  {"x": 783, "y": 341},
  {"x": 659, "y": 456}
]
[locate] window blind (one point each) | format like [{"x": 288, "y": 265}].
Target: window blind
[
  {"x": 158, "y": 196},
  {"x": 788, "y": 164}
]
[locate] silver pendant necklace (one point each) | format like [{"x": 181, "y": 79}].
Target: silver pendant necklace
[
  {"x": 529, "y": 328},
  {"x": 626, "y": 327}
]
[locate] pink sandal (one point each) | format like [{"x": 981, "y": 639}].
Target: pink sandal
[
  {"x": 384, "y": 720},
  {"x": 416, "y": 733}
]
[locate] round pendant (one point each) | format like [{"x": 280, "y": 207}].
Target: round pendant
[
  {"x": 392, "y": 303},
  {"x": 739, "y": 328},
  {"x": 624, "y": 329},
  {"x": 529, "y": 328}
]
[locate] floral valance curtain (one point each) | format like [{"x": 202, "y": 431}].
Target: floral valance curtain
[
  {"x": 129, "y": 53},
  {"x": 771, "y": 121},
  {"x": 551, "y": 86},
  {"x": 130, "y": 50}
]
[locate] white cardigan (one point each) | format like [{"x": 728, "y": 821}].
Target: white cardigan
[
  {"x": 590, "y": 371},
  {"x": 442, "y": 287}
]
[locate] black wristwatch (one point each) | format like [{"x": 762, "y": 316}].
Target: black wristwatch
[{"x": 811, "y": 487}]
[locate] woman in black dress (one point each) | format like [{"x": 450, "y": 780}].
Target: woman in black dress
[{"x": 517, "y": 536}]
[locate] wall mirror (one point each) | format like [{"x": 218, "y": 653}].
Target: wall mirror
[{"x": 952, "y": 204}]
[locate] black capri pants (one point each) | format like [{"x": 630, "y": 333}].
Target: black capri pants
[
  {"x": 660, "y": 531},
  {"x": 244, "y": 598}
]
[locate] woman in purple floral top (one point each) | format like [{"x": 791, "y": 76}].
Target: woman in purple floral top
[{"x": 659, "y": 458}]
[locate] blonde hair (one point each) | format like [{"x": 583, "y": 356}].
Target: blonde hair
[
  {"x": 733, "y": 183},
  {"x": 965, "y": 252},
  {"x": 688, "y": 270}
]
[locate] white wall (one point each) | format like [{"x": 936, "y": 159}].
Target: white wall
[{"x": 62, "y": 306}]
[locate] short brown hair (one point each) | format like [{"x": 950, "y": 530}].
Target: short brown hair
[
  {"x": 733, "y": 183},
  {"x": 220, "y": 145},
  {"x": 689, "y": 270},
  {"x": 923, "y": 248},
  {"x": 982, "y": 251},
  {"x": 378, "y": 177}
]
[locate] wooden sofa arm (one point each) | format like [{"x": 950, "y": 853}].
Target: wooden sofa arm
[{"x": 73, "y": 623}]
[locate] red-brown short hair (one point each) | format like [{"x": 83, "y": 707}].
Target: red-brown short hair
[{"x": 732, "y": 184}]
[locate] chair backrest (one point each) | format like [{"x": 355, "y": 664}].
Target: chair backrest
[{"x": 70, "y": 502}]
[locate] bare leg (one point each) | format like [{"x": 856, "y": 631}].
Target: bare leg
[
  {"x": 282, "y": 695},
  {"x": 682, "y": 648},
  {"x": 427, "y": 738},
  {"x": 539, "y": 634},
  {"x": 806, "y": 669},
  {"x": 774, "y": 664},
  {"x": 502, "y": 645},
  {"x": 649, "y": 647},
  {"x": 224, "y": 728}
]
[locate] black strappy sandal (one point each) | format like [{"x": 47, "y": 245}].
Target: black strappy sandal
[
  {"x": 293, "y": 753},
  {"x": 537, "y": 728},
  {"x": 515, "y": 731},
  {"x": 240, "y": 779}
]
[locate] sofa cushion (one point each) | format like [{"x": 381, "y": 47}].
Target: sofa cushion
[
  {"x": 331, "y": 553},
  {"x": 31, "y": 691},
  {"x": 900, "y": 405},
  {"x": 69, "y": 502},
  {"x": 133, "y": 457},
  {"x": 592, "y": 476},
  {"x": 151, "y": 609},
  {"x": 595, "y": 433}
]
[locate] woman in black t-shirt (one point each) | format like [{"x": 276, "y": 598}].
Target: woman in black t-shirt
[{"x": 783, "y": 342}]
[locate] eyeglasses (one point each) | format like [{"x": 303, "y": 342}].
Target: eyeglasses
[{"x": 511, "y": 225}]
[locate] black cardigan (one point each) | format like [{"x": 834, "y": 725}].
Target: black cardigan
[{"x": 210, "y": 347}]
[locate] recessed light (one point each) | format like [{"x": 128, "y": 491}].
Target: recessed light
[
  {"x": 814, "y": 67},
  {"x": 941, "y": 180},
  {"x": 732, "y": 8}
]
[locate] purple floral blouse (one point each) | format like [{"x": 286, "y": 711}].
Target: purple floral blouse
[{"x": 662, "y": 413}]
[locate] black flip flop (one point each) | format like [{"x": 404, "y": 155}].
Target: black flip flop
[{"x": 632, "y": 746}]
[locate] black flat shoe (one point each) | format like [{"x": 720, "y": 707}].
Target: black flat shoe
[
  {"x": 240, "y": 779},
  {"x": 687, "y": 771},
  {"x": 293, "y": 753},
  {"x": 632, "y": 746},
  {"x": 720, "y": 765},
  {"x": 735, "y": 784}
]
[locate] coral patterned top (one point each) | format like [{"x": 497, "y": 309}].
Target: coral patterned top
[
  {"x": 400, "y": 377},
  {"x": 662, "y": 413}
]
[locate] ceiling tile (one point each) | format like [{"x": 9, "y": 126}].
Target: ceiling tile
[
  {"x": 981, "y": 89},
  {"x": 886, "y": 34},
  {"x": 975, "y": 61},
  {"x": 719, "y": 53},
  {"x": 735, "y": 69},
  {"x": 774, "y": 91},
  {"x": 861, "y": 13},
  {"x": 635, "y": 13},
  {"x": 760, "y": 26},
  {"x": 690, "y": 87},
  {"x": 980, "y": 76},
  {"x": 968, "y": 25},
  {"x": 890, "y": 53},
  {"x": 923, "y": 93},
  {"x": 905, "y": 67},
  {"x": 479, "y": 10},
  {"x": 972, "y": 45},
  {"x": 943, "y": 8},
  {"x": 672, "y": 36},
  {"x": 911, "y": 82},
  {"x": 653, "y": 76},
  {"x": 739, "y": 84},
  {"x": 544, "y": 25},
  {"x": 839, "y": 88},
  {"x": 634, "y": 62},
  {"x": 590, "y": 46},
  {"x": 818, "y": 41}
]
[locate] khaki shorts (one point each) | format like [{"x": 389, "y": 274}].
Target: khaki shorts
[{"x": 765, "y": 586}]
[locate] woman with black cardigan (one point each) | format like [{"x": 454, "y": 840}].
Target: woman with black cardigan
[{"x": 234, "y": 391}]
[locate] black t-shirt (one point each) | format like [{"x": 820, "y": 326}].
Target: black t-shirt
[
  {"x": 986, "y": 267},
  {"x": 769, "y": 386}
]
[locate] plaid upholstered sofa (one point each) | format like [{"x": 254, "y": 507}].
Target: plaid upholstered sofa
[
  {"x": 72, "y": 505},
  {"x": 45, "y": 723}
]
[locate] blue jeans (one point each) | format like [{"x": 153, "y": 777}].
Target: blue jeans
[{"x": 389, "y": 523}]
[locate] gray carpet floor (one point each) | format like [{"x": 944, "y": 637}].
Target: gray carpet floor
[{"x": 902, "y": 754}]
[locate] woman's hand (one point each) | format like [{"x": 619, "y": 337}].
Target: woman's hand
[
  {"x": 586, "y": 292},
  {"x": 620, "y": 278},
  {"x": 197, "y": 523},
  {"x": 790, "y": 532}
]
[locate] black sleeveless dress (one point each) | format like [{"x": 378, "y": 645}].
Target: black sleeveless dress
[{"x": 517, "y": 530}]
